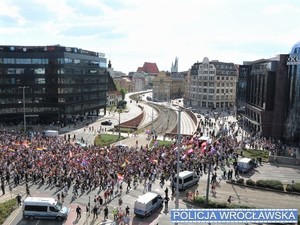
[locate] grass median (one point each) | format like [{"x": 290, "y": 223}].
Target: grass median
[
  {"x": 6, "y": 208},
  {"x": 107, "y": 139}
]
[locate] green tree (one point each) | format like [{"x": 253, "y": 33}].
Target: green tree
[{"x": 123, "y": 92}]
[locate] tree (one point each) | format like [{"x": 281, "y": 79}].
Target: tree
[{"x": 123, "y": 92}]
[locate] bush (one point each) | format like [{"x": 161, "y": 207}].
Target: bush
[
  {"x": 6, "y": 209},
  {"x": 293, "y": 187},
  {"x": 240, "y": 181},
  {"x": 272, "y": 184},
  {"x": 200, "y": 201},
  {"x": 250, "y": 182}
]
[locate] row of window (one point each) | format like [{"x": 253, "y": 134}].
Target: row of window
[
  {"x": 44, "y": 61},
  {"x": 42, "y": 80},
  {"x": 212, "y": 84},
  {"x": 212, "y": 97},
  {"x": 211, "y": 90},
  {"x": 207, "y": 104},
  {"x": 222, "y": 66},
  {"x": 30, "y": 71},
  {"x": 24, "y": 61},
  {"x": 37, "y": 100},
  {"x": 195, "y": 77}
]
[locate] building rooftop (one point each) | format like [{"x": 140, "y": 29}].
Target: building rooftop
[{"x": 148, "y": 68}]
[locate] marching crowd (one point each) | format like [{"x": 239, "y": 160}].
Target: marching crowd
[{"x": 64, "y": 164}]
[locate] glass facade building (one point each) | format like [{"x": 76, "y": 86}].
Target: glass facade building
[
  {"x": 292, "y": 131},
  {"x": 57, "y": 83},
  {"x": 261, "y": 99}
]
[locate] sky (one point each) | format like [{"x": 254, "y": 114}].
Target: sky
[{"x": 131, "y": 32}]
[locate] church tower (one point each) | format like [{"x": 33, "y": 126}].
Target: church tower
[{"x": 174, "y": 67}]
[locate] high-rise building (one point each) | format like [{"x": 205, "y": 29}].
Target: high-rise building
[
  {"x": 53, "y": 84},
  {"x": 292, "y": 129},
  {"x": 262, "y": 92},
  {"x": 213, "y": 85}
]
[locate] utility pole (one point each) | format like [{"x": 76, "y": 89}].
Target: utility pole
[
  {"x": 178, "y": 160},
  {"x": 119, "y": 111},
  {"x": 24, "y": 108},
  {"x": 152, "y": 121}
]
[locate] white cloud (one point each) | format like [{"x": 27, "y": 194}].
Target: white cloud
[{"x": 134, "y": 31}]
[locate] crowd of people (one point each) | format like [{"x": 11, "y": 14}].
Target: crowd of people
[{"x": 60, "y": 162}]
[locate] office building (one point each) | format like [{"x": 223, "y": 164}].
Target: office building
[
  {"x": 263, "y": 89},
  {"x": 292, "y": 128},
  {"x": 59, "y": 84},
  {"x": 213, "y": 85}
]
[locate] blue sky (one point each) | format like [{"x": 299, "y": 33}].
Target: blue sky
[{"x": 131, "y": 32}]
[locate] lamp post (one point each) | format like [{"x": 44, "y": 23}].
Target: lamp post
[
  {"x": 178, "y": 160},
  {"x": 209, "y": 166},
  {"x": 24, "y": 108},
  {"x": 119, "y": 111}
]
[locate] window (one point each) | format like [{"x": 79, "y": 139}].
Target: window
[
  {"x": 154, "y": 200},
  {"x": 8, "y": 61},
  {"x": 188, "y": 179},
  {"x": 20, "y": 70},
  {"x": 40, "y": 81},
  {"x": 36, "y": 208},
  {"x": 39, "y": 71},
  {"x": 23, "y": 61},
  {"x": 53, "y": 209}
]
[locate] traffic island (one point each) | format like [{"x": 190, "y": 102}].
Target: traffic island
[{"x": 268, "y": 185}]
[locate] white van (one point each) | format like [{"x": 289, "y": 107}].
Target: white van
[
  {"x": 50, "y": 133},
  {"x": 245, "y": 165},
  {"x": 44, "y": 208},
  {"x": 186, "y": 180},
  {"x": 147, "y": 203}
]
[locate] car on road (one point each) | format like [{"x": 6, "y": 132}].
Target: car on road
[
  {"x": 44, "y": 208},
  {"x": 106, "y": 123},
  {"x": 146, "y": 204},
  {"x": 244, "y": 165}
]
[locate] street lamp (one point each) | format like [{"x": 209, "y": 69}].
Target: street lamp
[
  {"x": 119, "y": 111},
  {"x": 209, "y": 165},
  {"x": 24, "y": 108},
  {"x": 178, "y": 160}
]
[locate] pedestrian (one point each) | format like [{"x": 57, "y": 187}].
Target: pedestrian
[
  {"x": 127, "y": 211},
  {"x": 19, "y": 199},
  {"x": 27, "y": 190},
  {"x": 78, "y": 211},
  {"x": 166, "y": 191},
  {"x": 166, "y": 200},
  {"x": 105, "y": 213},
  {"x": 95, "y": 212},
  {"x": 229, "y": 199},
  {"x": 3, "y": 188},
  {"x": 58, "y": 197},
  {"x": 62, "y": 197}
]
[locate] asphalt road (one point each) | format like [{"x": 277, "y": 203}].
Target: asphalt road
[{"x": 241, "y": 195}]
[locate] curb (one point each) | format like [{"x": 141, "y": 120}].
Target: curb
[{"x": 262, "y": 188}]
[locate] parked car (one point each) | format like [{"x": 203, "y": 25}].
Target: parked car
[{"x": 106, "y": 123}]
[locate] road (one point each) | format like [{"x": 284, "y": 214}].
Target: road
[{"x": 241, "y": 195}]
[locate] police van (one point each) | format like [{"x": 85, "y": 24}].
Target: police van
[
  {"x": 44, "y": 208},
  {"x": 244, "y": 165},
  {"x": 146, "y": 204},
  {"x": 186, "y": 180},
  {"x": 50, "y": 133}
]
